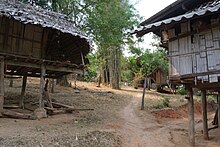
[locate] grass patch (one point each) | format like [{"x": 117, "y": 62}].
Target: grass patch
[{"x": 162, "y": 103}]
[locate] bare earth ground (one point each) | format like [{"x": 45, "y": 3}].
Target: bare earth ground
[{"x": 116, "y": 120}]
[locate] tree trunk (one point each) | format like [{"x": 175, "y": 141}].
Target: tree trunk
[
  {"x": 114, "y": 67},
  {"x": 105, "y": 74},
  {"x": 148, "y": 83},
  {"x": 99, "y": 80}
]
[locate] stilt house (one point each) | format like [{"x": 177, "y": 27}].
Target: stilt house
[
  {"x": 38, "y": 43},
  {"x": 190, "y": 31}
]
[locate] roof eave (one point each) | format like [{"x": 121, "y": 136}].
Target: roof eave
[
  {"x": 160, "y": 15},
  {"x": 178, "y": 7}
]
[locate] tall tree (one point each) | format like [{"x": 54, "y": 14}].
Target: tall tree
[{"x": 108, "y": 23}]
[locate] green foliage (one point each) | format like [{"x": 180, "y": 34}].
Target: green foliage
[
  {"x": 90, "y": 76},
  {"x": 197, "y": 92},
  {"x": 108, "y": 24},
  {"x": 181, "y": 90},
  {"x": 144, "y": 62},
  {"x": 212, "y": 99},
  {"x": 126, "y": 74},
  {"x": 92, "y": 68}
]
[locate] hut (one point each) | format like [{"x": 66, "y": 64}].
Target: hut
[
  {"x": 38, "y": 43},
  {"x": 189, "y": 30}
]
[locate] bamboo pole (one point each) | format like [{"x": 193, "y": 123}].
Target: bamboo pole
[{"x": 204, "y": 114}]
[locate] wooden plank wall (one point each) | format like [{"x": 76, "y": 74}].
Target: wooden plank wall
[
  {"x": 17, "y": 38},
  {"x": 196, "y": 54}
]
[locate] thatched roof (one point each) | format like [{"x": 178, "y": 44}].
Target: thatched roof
[
  {"x": 63, "y": 51},
  {"x": 28, "y": 14}
]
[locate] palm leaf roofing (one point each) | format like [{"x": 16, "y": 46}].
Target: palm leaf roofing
[{"x": 28, "y": 14}]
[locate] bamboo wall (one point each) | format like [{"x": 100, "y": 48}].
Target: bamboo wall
[
  {"x": 20, "y": 39},
  {"x": 197, "y": 53}
]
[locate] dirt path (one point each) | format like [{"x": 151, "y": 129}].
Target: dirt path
[
  {"x": 116, "y": 121},
  {"x": 143, "y": 133}
]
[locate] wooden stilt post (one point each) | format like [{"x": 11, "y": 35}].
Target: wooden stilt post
[
  {"x": 53, "y": 85},
  {"x": 219, "y": 109},
  {"x": 41, "y": 112},
  {"x": 1, "y": 84},
  {"x": 11, "y": 82},
  {"x": 42, "y": 83},
  {"x": 24, "y": 83},
  {"x": 204, "y": 114},
  {"x": 145, "y": 86},
  {"x": 191, "y": 117}
]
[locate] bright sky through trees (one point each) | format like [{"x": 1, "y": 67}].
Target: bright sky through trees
[{"x": 148, "y": 8}]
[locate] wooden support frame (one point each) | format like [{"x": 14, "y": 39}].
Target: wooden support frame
[
  {"x": 49, "y": 67},
  {"x": 191, "y": 116},
  {"x": 1, "y": 84},
  {"x": 204, "y": 114}
]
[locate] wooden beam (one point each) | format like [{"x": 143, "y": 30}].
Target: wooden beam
[
  {"x": 200, "y": 74},
  {"x": 191, "y": 117},
  {"x": 208, "y": 86},
  {"x": 55, "y": 104},
  {"x": 1, "y": 84},
  {"x": 219, "y": 109},
  {"x": 49, "y": 67},
  {"x": 204, "y": 114},
  {"x": 13, "y": 114}
]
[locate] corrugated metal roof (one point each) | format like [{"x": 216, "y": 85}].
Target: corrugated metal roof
[
  {"x": 28, "y": 14},
  {"x": 210, "y": 7}
]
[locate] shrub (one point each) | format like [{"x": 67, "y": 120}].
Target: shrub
[
  {"x": 181, "y": 90},
  {"x": 212, "y": 99},
  {"x": 90, "y": 76},
  {"x": 164, "y": 102},
  {"x": 197, "y": 92}
]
